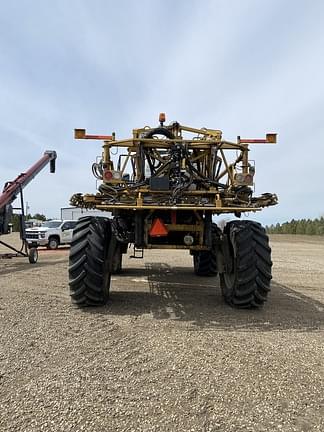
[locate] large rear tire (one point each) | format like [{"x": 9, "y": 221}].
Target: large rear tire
[
  {"x": 89, "y": 272},
  {"x": 246, "y": 282},
  {"x": 205, "y": 262}
]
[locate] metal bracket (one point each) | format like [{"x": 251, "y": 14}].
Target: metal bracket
[{"x": 137, "y": 253}]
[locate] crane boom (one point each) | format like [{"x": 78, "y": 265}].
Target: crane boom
[{"x": 12, "y": 188}]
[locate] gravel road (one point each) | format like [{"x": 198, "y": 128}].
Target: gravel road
[{"x": 166, "y": 354}]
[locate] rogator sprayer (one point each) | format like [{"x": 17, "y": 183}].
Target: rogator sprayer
[{"x": 162, "y": 190}]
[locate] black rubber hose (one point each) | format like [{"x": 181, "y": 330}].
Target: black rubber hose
[
  {"x": 204, "y": 178},
  {"x": 159, "y": 131}
]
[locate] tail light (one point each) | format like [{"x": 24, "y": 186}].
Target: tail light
[{"x": 111, "y": 175}]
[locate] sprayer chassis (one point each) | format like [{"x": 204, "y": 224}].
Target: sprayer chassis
[{"x": 162, "y": 194}]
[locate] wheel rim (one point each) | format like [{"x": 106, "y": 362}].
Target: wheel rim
[
  {"x": 229, "y": 279},
  {"x": 53, "y": 244}
]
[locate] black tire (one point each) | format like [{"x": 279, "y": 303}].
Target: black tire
[
  {"x": 205, "y": 262},
  {"x": 89, "y": 275},
  {"x": 246, "y": 283},
  {"x": 53, "y": 243},
  {"x": 33, "y": 255}
]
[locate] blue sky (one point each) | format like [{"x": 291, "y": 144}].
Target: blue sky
[{"x": 246, "y": 67}]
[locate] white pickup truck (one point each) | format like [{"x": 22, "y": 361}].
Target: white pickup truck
[{"x": 51, "y": 234}]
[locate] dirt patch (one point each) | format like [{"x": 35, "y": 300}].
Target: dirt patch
[{"x": 166, "y": 354}]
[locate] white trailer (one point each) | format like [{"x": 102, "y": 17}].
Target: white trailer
[{"x": 75, "y": 213}]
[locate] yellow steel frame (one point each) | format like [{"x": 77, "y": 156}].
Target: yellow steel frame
[{"x": 207, "y": 148}]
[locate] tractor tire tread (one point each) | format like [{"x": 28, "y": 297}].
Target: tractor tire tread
[
  {"x": 253, "y": 265},
  {"x": 87, "y": 262}
]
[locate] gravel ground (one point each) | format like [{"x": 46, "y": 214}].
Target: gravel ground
[{"x": 166, "y": 354}]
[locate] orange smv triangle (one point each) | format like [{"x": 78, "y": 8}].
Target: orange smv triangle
[{"x": 158, "y": 228}]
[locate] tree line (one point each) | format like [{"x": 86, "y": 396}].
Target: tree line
[
  {"x": 16, "y": 217},
  {"x": 299, "y": 226}
]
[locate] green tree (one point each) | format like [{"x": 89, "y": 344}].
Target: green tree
[
  {"x": 278, "y": 228},
  {"x": 39, "y": 217},
  {"x": 310, "y": 228},
  {"x": 320, "y": 230},
  {"x": 301, "y": 227},
  {"x": 15, "y": 220}
]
